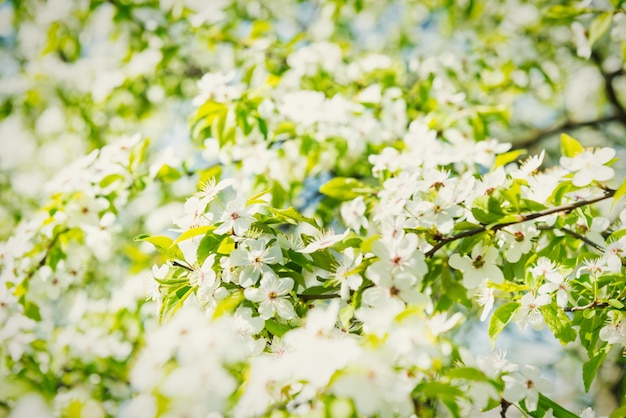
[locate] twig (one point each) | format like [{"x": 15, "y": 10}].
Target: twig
[
  {"x": 504, "y": 404},
  {"x": 44, "y": 259},
  {"x": 318, "y": 297},
  {"x": 591, "y": 305},
  {"x": 568, "y": 125},
  {"x": 522, "y": 218},
  {"x": 609, "y": 89},
  {"x": 582, "y": 238}
]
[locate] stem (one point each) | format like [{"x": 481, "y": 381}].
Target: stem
[
  {"x": 590, "y": 305},
  {"x": 582, "y": 238},
  {"x": 178, "y": 264},
  {"x": 43, "y": 260},
  {"x": 609, "y": 89},
  {"x": 608, "y": 193},
  {"x": 568, "y": 125},
  {"x": 318, "y": 297}
]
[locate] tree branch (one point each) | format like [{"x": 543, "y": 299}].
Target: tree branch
[
  {"x": 582, "y": 238},
  {"x": 592, "y": 305},
  {"x": 318, "y": 297},
  {"x": 567, "y": 125},
  {"x": 44, "y": 259},
  {"x": 522, "y": 218},
  {"x": 609, "y": 89}
]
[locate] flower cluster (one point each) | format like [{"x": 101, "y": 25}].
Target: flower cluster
[{"x": 337, "y": 194}]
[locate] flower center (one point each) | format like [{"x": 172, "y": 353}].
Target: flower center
[
  {"x": 272, "y": 295},
  {"x": 478, "y": 262}
]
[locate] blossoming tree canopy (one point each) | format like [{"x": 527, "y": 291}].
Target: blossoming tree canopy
[{"x": 344, "y": 208}]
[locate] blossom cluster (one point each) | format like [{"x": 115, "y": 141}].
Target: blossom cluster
[{"x": 343, "y": 206}]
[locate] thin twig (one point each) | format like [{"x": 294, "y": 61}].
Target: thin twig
[
  {"x": 609, "y": 89},
  {"x": 591, "y": 305},
  {"x": 583, "y": 238},
  {"x": 566, "y": 126},
  {"x": 44, "y": 259},
  {"x": 318, "y": 297},
  {"x": 522, "y": 218}
]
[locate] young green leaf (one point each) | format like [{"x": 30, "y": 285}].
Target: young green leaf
[
  {"x": 345, "y": 188},
  {"x": 569, "y": 146},
  {"x": 500, "y": 318},
  {"x": 599, "y": 25},
  {"x": 559, "y": 323},
  {"x": 590, "y": 368}
]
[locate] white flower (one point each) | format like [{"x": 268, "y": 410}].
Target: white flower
[
  {"x": 589, "y": 166},
  {"x": 614, "y": 332},
  {"x": 353, "y": 214},
  {"x": 194, "y": 214},
  {"x": 254, "y": 256},
  {"x": 529, "y": 312},
  {"x": 547, "y": 269},
  {"x": 348, "y": 280},
  {"x": 387, "y": 160},
  {"x": 583, "y": 49},
  {"x": 397, "y": 255},
  {"x": 271, "y": 296},
  {"x": 526, "y": 385},
  {"x": 479, "y": 267},
  {"x": 324, "y": 239},
  {"x": 210, "y": 189},
  {"x": 392, "y": 292},
  {"x": 614, "y": 255},
  {"x": 486, "y": 298},
  {"x": 204, "y": 276},
  {"x": 519, "y": 240},
  {"x": 237, "y": 218}
]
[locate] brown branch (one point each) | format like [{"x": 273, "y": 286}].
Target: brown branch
[
  {"x": 178, "y": 264},
  {"x": 318, "y": 297},
  {"x": 609, "y": 89},
  {"x": 568, "y": 125},
  {"x": 522, "y": 218},
  {"x": 582, "y": 238},
  {"x": 504, "y": 404},
  {"x": 44, "y": 259},
  {"x": 591, "y": 305}
]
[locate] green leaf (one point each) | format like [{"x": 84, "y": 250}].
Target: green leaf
[
  {"x": 168, "y": 174},
  {"x": 257, "y": 197},
  {"x": 500, "y": 318},
  {"x": 209, "y": 245},
  {"x": 619, "y": 412},
  {"x": 32, "y": 310},
  {"x": 465, "y": 226},
  {"x": 438, "y": 390},
  {"x": 468, "y": 373},
  {"x": 590, "y": 368},
  {"x": 558, "y": 322},
  {"x": 173, "y": 301},
  {"x": 193, "y": 232},
  {"x": 544, "y": 404},
  {"x": 569, "y": 146},
  {"x": 562, "y": 12},
  {"x": 228, "y": 304},
  {"x": 345, "y": 188},
  {"x": 226, "y": 246},
  {"x": 599, "y": 25},
  {"x": 165, "y": 245},
  {"x": 292, "y": 216},
  {"x": 621, "y": 191},
  {"x": 507, "y": 157},
  {"x": 275, "y": 328}
]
